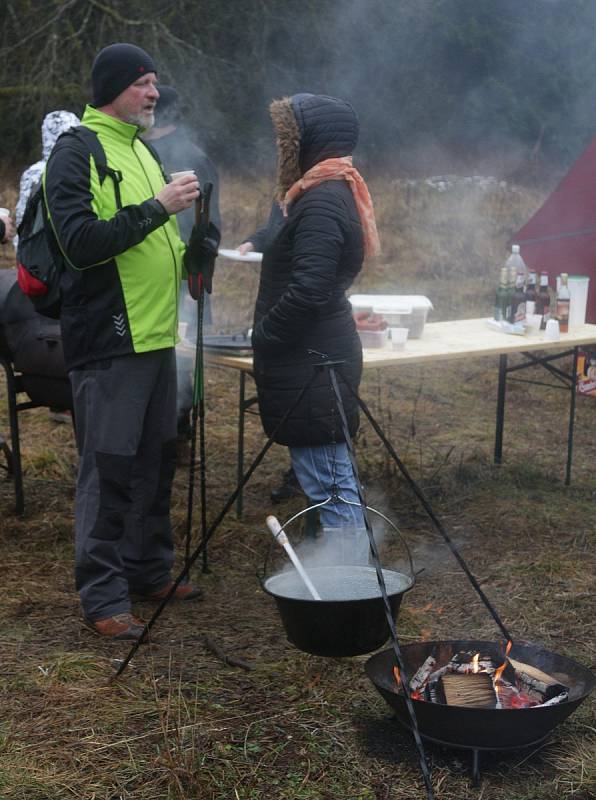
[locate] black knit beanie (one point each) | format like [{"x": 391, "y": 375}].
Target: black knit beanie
[{"x": 115, "y": 68}]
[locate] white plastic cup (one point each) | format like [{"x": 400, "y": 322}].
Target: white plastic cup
[
  {"x": 578, "y": 299},
  {"x": 182, "y": 173},
  {"x": 398, "y": 337},
  {"x": 551, "y": 332}
]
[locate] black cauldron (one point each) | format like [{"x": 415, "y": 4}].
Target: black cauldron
[
  {"x": 480, "y": 728},
  {"x": 351, "y": 622}
]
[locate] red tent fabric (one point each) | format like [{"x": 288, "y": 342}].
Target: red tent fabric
[{"x": 561, "y": 236}]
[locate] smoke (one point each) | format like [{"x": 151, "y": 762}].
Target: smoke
[{"x": 432, "y": 80}]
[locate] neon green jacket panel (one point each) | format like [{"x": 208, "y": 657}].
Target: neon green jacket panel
[{"x": 150, "y": 272}]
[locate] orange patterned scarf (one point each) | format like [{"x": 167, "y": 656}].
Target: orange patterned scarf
[{"x": 341, "y": 169}]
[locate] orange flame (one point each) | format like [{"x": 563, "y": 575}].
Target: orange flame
[
  {"x": 475, "y": 660},
  {"x": 397, "y": 676},
  {"x": 499, "y": 671}
]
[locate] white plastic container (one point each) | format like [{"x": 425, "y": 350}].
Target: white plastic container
[
  {"x": 373, "y": 339},
  {"x": 399, "y": 311},
  {"x": 578, "y": 293}
]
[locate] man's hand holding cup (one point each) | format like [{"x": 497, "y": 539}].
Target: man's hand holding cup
[{"x": 181, "y": 193}]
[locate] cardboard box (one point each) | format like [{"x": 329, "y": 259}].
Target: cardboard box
[{"x": 586, "y": 373}]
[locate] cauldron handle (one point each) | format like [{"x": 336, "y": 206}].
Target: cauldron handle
[
  {"x": 262, "y": 576},
  {"x": 349, "y": 503}
]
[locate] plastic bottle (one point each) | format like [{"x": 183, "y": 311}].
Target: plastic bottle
[{"x": 516, "y": 265}]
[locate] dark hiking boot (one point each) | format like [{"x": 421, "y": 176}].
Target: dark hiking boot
[
  {"x": 120, "y": 626},
  {"x": 184, "y": 592},
  {"x": 289, "y": 487}
]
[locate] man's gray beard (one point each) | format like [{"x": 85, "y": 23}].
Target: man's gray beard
[{"x": 145, "y": 121}]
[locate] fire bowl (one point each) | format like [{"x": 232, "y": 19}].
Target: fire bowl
[
  {"x": 350, "y": 619},
  {"x": 481, "y": 728}
]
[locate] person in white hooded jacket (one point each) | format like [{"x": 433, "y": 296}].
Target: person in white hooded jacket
[{"x": 54, "y": 123}]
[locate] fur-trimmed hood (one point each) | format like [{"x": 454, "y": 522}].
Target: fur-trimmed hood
[{"x": 310, "y": 128}]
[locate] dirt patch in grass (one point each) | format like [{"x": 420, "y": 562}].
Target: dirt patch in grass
[{"x": 182, "y": 724}]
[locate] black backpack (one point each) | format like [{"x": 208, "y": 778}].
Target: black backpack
[{"x": 40, "y": 261}]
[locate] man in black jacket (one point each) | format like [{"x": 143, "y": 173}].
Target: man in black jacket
[{"x": 120, "y": 289}]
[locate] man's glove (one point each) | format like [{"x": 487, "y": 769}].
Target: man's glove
[{"x": 199, "y": 260}]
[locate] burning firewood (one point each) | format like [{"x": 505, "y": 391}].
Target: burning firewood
[
  {"x": 422, "y": 673},
  {"x": 536, "y": 682},
  {"x": 479, "y": 680},
  {"x": 471, "y": 690}
]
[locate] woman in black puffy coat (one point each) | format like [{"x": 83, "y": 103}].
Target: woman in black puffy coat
[{"x": 302, "y": 315}]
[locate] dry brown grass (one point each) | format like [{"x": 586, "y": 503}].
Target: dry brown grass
[{"x": 180, "y": 724}]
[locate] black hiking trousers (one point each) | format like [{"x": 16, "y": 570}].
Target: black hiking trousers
[{"x": 125, "y": 412}]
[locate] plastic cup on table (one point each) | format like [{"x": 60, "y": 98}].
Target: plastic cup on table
[
  {"x": 552, "y": 332},
  {"x": 398, "y": 337}
]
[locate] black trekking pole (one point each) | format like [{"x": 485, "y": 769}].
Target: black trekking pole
[
  {"x": 197, "y": 291},
  {"x": 424, "y": 767}
]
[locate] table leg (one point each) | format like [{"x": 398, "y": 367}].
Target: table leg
[
  {"x": 500, "y": 408},
  {"x": 240, "y": 453},
  {"x": 573, "y": 383}
]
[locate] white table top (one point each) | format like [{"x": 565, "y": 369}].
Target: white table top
[{"x": 460, "y": 338}]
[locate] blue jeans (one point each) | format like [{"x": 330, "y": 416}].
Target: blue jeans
[{"x": 344, "y": 531}]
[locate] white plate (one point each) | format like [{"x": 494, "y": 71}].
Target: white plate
[{"x": 235, "y": 255}]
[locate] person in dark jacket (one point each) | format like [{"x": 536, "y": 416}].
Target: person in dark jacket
[
  {"x": 302, "y": 315},
  {"x": 288, "y": 486},
  {"x": 119, "y": 322}
]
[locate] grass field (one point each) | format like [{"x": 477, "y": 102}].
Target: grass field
[{"x": 181, "y": 723}]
